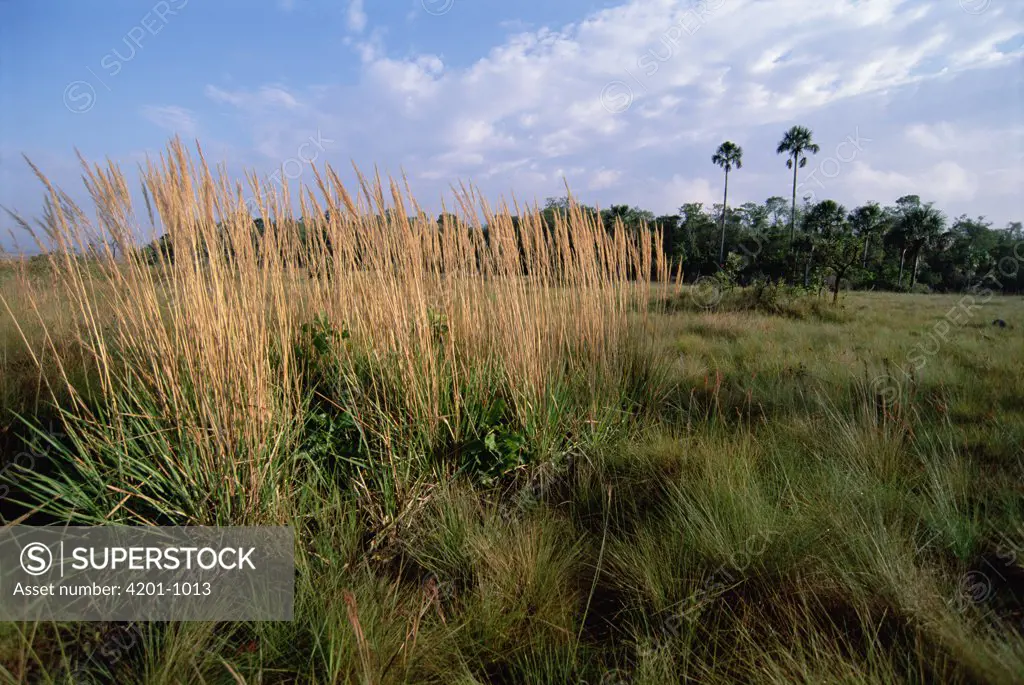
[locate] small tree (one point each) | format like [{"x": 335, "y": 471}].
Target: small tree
[
  {"x": 822, "y": 220},
  {"x": 840, "y": 250}
]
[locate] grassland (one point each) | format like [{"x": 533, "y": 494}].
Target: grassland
[{"x": 506, "y": 460}]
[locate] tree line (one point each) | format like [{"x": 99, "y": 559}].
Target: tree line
[{"x": 909, "y": 245}]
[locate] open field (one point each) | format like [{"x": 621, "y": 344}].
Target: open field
[{"x": 508, "y": 459}]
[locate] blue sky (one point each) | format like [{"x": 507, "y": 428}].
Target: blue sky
[{"x": 627, "y": 100}]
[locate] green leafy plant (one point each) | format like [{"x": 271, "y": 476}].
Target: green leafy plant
[
  {"x": 317, "y": 349},
  {"x": 438, "y": 324},
  {"x": 499, "y": 449},
  {"x": 333, "y": 439},
  {"x": 320, "y": 335}
]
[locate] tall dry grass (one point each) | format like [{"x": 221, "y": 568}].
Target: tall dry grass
[{"x": 195, "y": 359}]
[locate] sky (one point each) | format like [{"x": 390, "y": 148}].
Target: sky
[{"x": 623, "y": 100}]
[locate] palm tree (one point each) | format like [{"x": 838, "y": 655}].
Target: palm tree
[
  {"x": 917, "y": 228},
  {"x": 796, "y": 143},
  {"x": 925, "y": 228},
  {"x": 729, "y": 155}
]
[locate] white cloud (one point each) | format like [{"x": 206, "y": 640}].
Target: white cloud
[
  {"x": 670, "y": 195},
  {"x": 938, "y": 137},
  {"x": 946, "y": 137},
  {"x": 514, "y": 25},
  {"x": 172, "y": 118},
  {"x": 356, "y": 16},
  {"x": 946, "y": 181},
  {"x": 531, "y": 106},
  {"x": 604, "y": 178},
  {"x": 266, "y": 96},
  {"x": 555, "y": 77}
]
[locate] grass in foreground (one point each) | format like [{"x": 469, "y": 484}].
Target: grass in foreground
[{"x": 506, "y": 462}]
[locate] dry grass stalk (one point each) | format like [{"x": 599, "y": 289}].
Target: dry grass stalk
[{"x": 438, "y": 312}]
